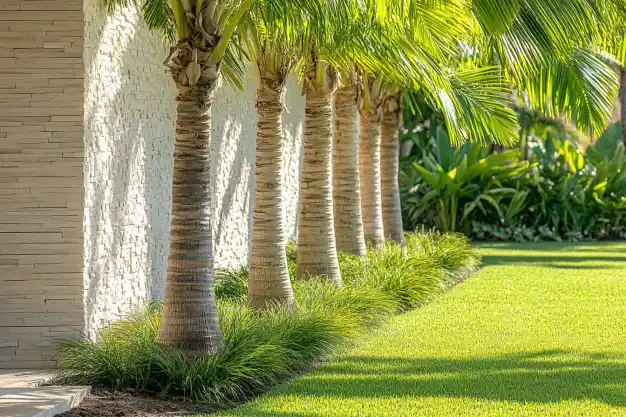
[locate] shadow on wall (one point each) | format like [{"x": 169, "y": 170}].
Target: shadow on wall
[
  {"x": 232, "y": 171},
  {"x": 129, "y": 143},
  {"x": 233, "y": 158},
  {"x": 128, "y": 150}
]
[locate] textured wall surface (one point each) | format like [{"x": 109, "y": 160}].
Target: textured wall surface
[
  {"x": 129, "y": 140},
  {"x": 128, "y": 148},
  {"x": 41, "y": 178}
]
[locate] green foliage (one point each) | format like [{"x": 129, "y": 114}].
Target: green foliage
[
  {"x": 565, "y": 85},
  {"x": 453, "y": 251},
  {"x": 408, "y": 280},
  {"x": 608, "y": 143},
  {"x": 518, "y": 234},
  {"x": 261, "y": 349},
  {"x": 292, "y": 247},
  {"x": 448, "y": 187},
  {"x": 564, "y": 190},
  {"x": 355, "y": 308},
  {"x": 352, "y": 267},
  {"x": 264, "y": 348},
  {"x": 231, "y": 284}
]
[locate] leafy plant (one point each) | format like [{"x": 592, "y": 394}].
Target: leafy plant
[
  {"x": 565, "y": 189},
  {"x": 459, "y": 184}
]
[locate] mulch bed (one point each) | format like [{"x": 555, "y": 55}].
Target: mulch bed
[{"x": 103, "y": 403}]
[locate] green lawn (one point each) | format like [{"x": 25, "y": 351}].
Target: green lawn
[{"x": 540, "y": 331}]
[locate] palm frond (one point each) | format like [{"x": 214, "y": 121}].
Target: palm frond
[
  {"x": 483, "y": 106},
  {"x": 159, "y": 16},
  {"x": 582, "y": 87}
]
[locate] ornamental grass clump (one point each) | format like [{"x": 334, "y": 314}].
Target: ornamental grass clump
[
  {"x": 263, "y": 348},
  {"x": 260, "y": 350}
]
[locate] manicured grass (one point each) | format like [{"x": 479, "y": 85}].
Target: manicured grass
[{"x": 540, "y": 331}]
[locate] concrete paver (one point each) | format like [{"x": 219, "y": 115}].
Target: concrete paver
[{"x": 22, "y": 394}]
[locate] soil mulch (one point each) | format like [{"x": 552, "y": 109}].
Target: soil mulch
[{"x": 103, "y": 403}]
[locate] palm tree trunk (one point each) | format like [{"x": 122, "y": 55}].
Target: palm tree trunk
[
  {"x": 390, "y": 163},
  {"x": 317, "y": 252},
  {"x": 523, "y": 139},
  {"x": 269, "y": 277},
  {"x": 346, "y": 186},
  {"x": 369, "y": 173},
  {"x": 622, "y": 95},
  {"x": 190, "y": 319}
]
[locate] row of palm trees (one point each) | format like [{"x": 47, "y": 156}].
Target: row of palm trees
[{"x": 463, "y": 56}]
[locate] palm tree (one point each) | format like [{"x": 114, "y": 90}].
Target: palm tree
[
  {"x": 346, "y": 183},
  {"x": 317, "y": 252},
  {"x": 201, "y": 32},
  {"x": 317, "y": 247},
  {"x": 271, "y": 38},
  {"x": 622, "y": 102},
  {"x": 389, "y": 166},
  {"x": 403, "y": 62},
  {"x": 435, "y": 30},
  {"x": 344, "y": 43},
  {"x": 349, "y": 193},
  {"x": 371, "y": 108}
]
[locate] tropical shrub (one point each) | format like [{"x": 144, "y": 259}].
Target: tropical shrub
[
  {"x": 578, "y": 193},
  {"x": 563, "y": 190},
  {"x": 264, "y": 348},
  {"x": 449, "y": 187}
]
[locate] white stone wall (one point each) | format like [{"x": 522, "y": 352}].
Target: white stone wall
[{"x": 129, "y": 138}]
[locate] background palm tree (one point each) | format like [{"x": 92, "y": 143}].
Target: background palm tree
[
  {"x": 371, "y": 108},
  {"x": 317, "y": 252},
  {"x": 389, "y": 166},
  {"x": 201, "y": 32},
  {"x": 385, "y": 50},
  {"x": 346, "y": 183},
  {"x": 271, "y": 35}
]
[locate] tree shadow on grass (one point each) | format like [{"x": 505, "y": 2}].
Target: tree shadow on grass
[
  {"x": 576, "y": 261},
  {"x": 575, "y": 266},
  {"x": 547, "y": 376},
  {"x": 582, "y": 255},
  {"x": 571, "y": 247}
]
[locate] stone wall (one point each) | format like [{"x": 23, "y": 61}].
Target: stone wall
[
  {"x": 41, "y": 178},
  {"x": 129, "y": 140}
]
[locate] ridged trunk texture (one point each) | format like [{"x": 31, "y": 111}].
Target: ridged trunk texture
[
  {"x": 346, "y": 185},
  {"x": 369, "y": 175},
  {"x": 622, "y": 95},
  {"x": 269, "y": 277},
  {"x": 389, "y": 165},
  {"x": 190, "y": 319},
  {"x": 317, "y": 252}
]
